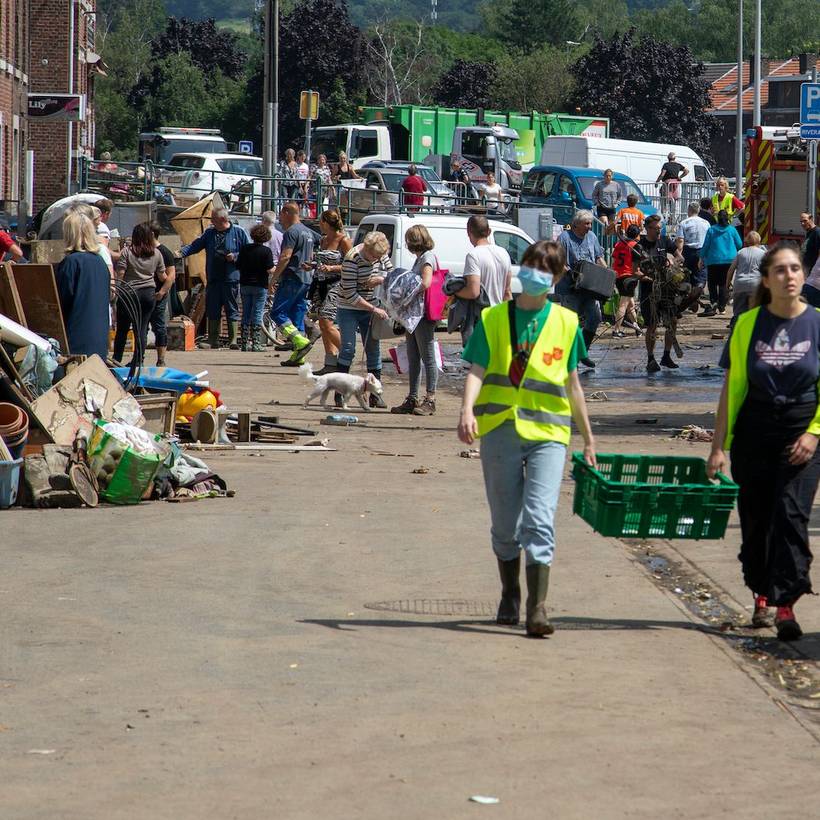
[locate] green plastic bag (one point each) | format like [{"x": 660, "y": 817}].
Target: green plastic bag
[{"x": 123, "y": 474}]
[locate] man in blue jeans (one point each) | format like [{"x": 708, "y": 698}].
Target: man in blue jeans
[
  {"x": 294, "y": 274},
  {"x": 221, "y": 243},
  {"x": 581, "y": 244}
]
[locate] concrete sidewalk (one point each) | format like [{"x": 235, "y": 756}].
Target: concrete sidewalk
[{"x": 260, "y": 657}]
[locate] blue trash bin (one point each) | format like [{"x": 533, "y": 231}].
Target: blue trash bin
[{"x": 9, "y": 482}]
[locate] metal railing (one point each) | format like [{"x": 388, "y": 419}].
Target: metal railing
[{"x": 672, "y": 200}]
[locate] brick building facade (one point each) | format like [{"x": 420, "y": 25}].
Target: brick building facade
[
  {"x": 65, "y": 65},
  {"x": 14, "y": 86}
]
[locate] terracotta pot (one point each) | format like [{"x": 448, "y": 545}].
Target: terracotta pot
[{"x": 12, "y": 419}]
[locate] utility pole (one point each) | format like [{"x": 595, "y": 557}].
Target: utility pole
[
  {"x": 739, "y": 147},
  {"x": 811, "y": 162},
  {"x": 270, "y": 107},
  {"x": 267, "y": 119},
  {"x": 757, "y": 118}
]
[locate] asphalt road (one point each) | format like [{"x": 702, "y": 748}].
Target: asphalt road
[{"x": 323, "y": 644}]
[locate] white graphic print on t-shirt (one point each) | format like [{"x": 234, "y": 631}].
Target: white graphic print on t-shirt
[{"x": 780, "y": 353}]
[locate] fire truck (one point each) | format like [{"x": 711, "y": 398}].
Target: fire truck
[{"x": 776, "y": 183}]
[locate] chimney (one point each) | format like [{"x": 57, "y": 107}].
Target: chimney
[
  {"x": 764, "y": 69},
  {"x": 807, "y": 62}
]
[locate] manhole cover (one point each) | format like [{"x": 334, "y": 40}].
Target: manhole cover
[{"x": 437, "y": 606}]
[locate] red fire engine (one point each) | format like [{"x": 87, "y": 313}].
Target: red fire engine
[{"x": 776, "y": 183}]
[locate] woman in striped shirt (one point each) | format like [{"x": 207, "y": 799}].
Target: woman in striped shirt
[{"x": 363, "y": 270}]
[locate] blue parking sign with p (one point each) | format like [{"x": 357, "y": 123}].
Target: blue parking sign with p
[
  {"x": 810, "y": 111},
  {"x": 245, "y": 146}
]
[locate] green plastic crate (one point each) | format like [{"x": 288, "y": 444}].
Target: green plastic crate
[{"x": 652, "y": 496}]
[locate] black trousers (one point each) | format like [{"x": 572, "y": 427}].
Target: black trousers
[
  {"x": 775, "y": 500},
  {"x": 146, "y": 299},
  {"x": 717, "y": 285}
]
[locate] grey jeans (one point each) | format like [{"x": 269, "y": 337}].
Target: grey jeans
[{"x": 421, "y": 347}]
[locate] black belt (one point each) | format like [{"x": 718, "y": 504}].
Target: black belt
[{"x": 761, "y": 396}]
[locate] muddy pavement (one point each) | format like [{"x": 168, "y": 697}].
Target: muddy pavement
[{"x": 323, "y": 643}]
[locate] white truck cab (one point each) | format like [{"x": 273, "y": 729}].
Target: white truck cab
[{"x": 361, "y": 143}]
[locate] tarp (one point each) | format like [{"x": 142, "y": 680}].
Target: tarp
[
  {"x": 51, "y": 225},
  {"x": 191, "y": 223}
]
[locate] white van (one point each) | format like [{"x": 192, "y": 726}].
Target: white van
[
  {"x": 449, "y": 233},
  {"x": 642, "y": 161}
]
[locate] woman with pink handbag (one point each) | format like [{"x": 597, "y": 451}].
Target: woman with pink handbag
[{"x": 421, "y": 343}]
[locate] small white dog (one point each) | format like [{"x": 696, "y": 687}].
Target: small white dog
[{"x": 345, "y": 383}]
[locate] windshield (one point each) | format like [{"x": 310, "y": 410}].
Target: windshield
[
  {"x": 160, "y": 149},
  {"x": 627, "y": 187},
  {"x": 241, "y": 166},
  {"x": 392, "y": 182},
  {"x": 328, "y": 142},
  {"x": 506, "y": 148}
]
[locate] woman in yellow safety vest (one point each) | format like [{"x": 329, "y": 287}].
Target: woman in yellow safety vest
[
  {"x": 725, "y": 200},
  {"x": 768, "y": 415},
  {"x": 520, "y": 395}
]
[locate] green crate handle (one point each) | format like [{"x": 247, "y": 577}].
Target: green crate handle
[{"x": 578, "y": 459}]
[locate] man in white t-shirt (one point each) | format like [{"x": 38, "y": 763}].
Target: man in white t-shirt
[{"x": 486, "y": 266}]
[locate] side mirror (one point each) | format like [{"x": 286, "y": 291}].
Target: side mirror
[
  {"x": 373, "y": 187},
  {"x": 565, "y": 196}
]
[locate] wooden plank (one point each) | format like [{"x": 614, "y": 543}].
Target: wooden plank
[
  {"x": 38, "y": 294},
  {"x": 10, "y": 304},
  {"x": 7, "y": 364}
]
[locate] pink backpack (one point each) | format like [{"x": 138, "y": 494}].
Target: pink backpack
[{"x": 435, "y": 299}]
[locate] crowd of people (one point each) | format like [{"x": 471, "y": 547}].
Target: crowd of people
[{"x": 523, "y": 351}]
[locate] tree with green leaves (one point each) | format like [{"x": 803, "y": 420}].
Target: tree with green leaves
[
  {"x": 651, "y": 90},
  {"x": 535, "y": 81}
]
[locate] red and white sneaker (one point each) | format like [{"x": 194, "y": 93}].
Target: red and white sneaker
[
  {"x": 787, "y": 627},
  {"x": 762, "y": 617}
]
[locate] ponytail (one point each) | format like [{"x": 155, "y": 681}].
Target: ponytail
[{"x": 762, "y": 295}]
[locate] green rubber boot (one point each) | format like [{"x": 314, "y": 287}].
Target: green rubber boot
[
  {"x": 510, "y": 592},
  {"x": 257, "y": 344},
  {"x": 244, "y": 338},
  {"x": 538, "y": 581},
  {"x": 233, "y": 334},
  {"x": 213, "y": 336}
]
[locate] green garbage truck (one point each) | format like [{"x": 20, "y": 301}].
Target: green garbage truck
[{"x": 505, "y": 142}]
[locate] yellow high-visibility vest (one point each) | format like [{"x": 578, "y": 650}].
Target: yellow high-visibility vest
[
  {"x": 724, "y": 204},
  {"x": 539, "y": 405},
  {"x": 738, "y": 387}
]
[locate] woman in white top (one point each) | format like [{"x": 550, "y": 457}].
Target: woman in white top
[{"x": 492, "y": 194}]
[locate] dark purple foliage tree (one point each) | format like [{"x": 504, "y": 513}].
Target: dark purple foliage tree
[
  {"x": 650, "y": 90},
  {"x": 466, "y": 84}
]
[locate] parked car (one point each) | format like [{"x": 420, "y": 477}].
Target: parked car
[
  {"x": 449, "y": 233},
  {"x": 189, "y": 177},
  {"x": 566, "y": 189},
  {"x": 382, "y": 187}
]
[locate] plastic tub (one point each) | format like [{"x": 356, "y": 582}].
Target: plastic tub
[
  {"x": 9, "y": 482},
  {"x": 634, "y": 496}
]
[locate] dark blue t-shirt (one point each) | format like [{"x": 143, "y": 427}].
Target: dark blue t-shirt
[
  {"x": 83, "y": 286},
  {"x": 783, "y": 354}
]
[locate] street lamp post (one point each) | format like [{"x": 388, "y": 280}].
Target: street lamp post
[
  {"x": 757, "y": 120},
  {"x": 739, "y": 152}
]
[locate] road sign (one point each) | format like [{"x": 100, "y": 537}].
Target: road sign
[
  {"x": 810, "y": 111},
  {"x": 309, "y": 105},
  {"x": 245, "y": 146}
]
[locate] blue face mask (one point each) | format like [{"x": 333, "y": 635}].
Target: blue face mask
[{"x": 534, "y": 282}]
